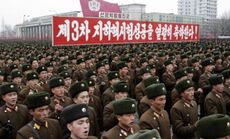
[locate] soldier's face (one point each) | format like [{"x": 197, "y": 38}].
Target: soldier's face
[
  {"x": 17, "y": 80},
  {"x": 219, "y": 88},
  {"x": 126, "y": 120},
  {"x": 40, "y": 114},
  {"x": 68, "y": 82},
  {"x": 159, "y": 102},
  {"x": 10, "y": 98},
  {"x": 58, "y": 91},
  {"x": 43, "y": 75},
  {"x": 1, "y": 78},
  {"x": 121, "y": 95},
  {"x": 82, "y": 98},
  {"x": 188, "y": 94},
  {"x": 79, "y": 128},
  {"x": 91, "y": 90}
]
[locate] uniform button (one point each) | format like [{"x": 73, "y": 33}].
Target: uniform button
[
  {"x": 187, "y": 115},
  {"x": 154, "y": 118},
  {"x": 189, "y": 124},
  {"x": 158, "y": 128}
]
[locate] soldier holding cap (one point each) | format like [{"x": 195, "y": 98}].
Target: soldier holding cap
[
  {"x": 41, "y": 127},
  {"x": 124, "y": 110},
  {"x": 215, "y": 126},
  {"x": 184, "y": 113},
  {"x": 76, "y": 118},
  {"x": 156, "y": 117},
  {"x": 32, "y": 86},
  {"x": 59, "y": 100},
  {"x": 214, "y": 101},
  {"x": 13, "y": 116}
]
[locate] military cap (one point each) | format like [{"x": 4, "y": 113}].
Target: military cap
[
  {"x": 151, "y": 80},
  {"x": 61, "y": 69},
  {"x": 215, "y": 79},
  {"x": 65, "y": 74},
  {"x": 120, "y": 87},
  {"x": 7, "y": 88},
  {"x": 216, "y": 57},
  {"x": 77, "y": 88},
  {"x": 190, "y": 69},
  {"x": 31, "y": 76},
  {"x": 48, "y": 64},
  {"x": 26, "y": 67},
  {"x": 90, "y": 82},
  {"x": 37, "y": 100},
  {"x": 15, "y": 73},
  {"x": 194, "y": 60},
  {"x": 88, "y": 57},
  {"x": 81, "y": 60},
  {"x": 112, "y": 75},
  {"x": 145, "y": 134},
  {"x": 33, "y": 59},
  {"x": 124, "y": 106},
  {"x": 214, "y": 126},
  {"x": 13, "y": 66},
  {"x": 226, "y": 74},
  {"x": 90, "y": 73},
  {"x": 99, "y": 64},
  {"x": 184, "y": 55},
  {"x": 226, "y": 54},
  {"x": 2, "y": 73},
  {"x": 144, "y": 70},
  {"x": 74, "y": 112},
  {"x": 55, "y": 82},
  {"x": 183, "y": 85},
  {"x": 207, "y": 61},
  {"x": 167, "y": 62},
  {"x": 161, "y": 54},
  {"x": 121, "y": 65},
  {"x": 180, "y": 73},
  {"x": 155, "y": 90},
  {"x": 151, "y": 66},
  {"x": 65, "y": 61},
  {"x": 41, "y": 68},
  {"x": 105, "y": 61},
  {"x": 143, "y": 60}
]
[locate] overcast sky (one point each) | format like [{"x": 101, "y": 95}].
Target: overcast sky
[{"x": 12, "y": 11}]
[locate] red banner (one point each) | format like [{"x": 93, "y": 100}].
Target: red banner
[
  {"x": 91, "y": 8},
  {"x": 77, "y": 31}
]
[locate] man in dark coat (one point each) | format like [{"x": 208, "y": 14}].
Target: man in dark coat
[
  {"x": 184, "y": 113},
  {"x": 13, "y": 116},
  {"x": 126, "y": 118},
  {"x": 41, "y": 126}
]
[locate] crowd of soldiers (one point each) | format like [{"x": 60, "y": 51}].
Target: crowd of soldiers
[{"x": 118, "y": 91}]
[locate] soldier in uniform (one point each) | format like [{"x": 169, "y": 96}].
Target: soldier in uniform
[
  {"x": 215, "y": 126},
  {"x": 140, "y": 87},
  {"x": 156, "y": 117},
  {"x": 226, "y": 62},
  {"x": 67, "y": 81},
  {"x": 120, "y": 90},
  {"x": 226, "y": 93},
  {"x": 41, "y": 127},
  {"x": 13, "y": 116},
  {"x": 80, "y": 95},
  {"x": 124, "y": 110},
  {"x": 169, "y": 80},
  {"x": 214, "y": 101},
  {"x": 16, "y": 77},
  {"x": 76, "y": 119},
  {"x": 95, "y": 101},
  {"x": 102, "y": 80},
  {"x": 184, "y": 113},
  {"x": 108, "y": 95},
  {"x": 32, "y": 86},
  {"x": 59, "y": 100},
  {"x": 179, "y": 75},
  {"x": 80, "y": 72},
  {"x": 43, "y": 77},
  {"x": 144, "y": 104},
  {"x": 204, "y": 82},
  {"x": 2, "y": 76}
]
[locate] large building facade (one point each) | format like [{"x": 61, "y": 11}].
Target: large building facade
[
  {"x": 41, "y": 27},
  {"x": 207, "y": 9}
]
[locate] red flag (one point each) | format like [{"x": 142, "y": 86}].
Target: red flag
[{"x": 91, "y": 8}]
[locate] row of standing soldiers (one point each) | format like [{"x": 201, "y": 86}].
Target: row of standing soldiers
[{"x": 157, "y": 76}]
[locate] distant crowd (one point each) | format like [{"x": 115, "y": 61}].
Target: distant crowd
[{"x": 117, "y": 91}]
